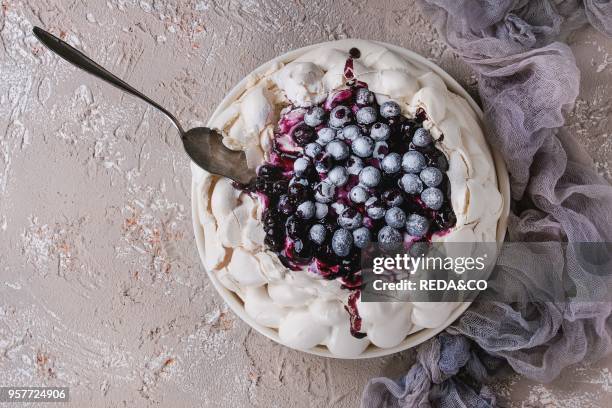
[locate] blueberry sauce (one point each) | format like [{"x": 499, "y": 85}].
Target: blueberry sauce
[{"x": 323, "y": 203}]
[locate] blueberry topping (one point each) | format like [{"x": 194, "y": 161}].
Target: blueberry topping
[
  {"x": 413, "y": 162},
  {"x": 350, "y": 132},
  {"x": 312, "y": 150},
  {"x": 380, "y": 131},
  {"x": 306, "y": 210},
  {"x": 366, "y": 115},
  {"x": 338, "y": 176},
  {"x": 354, "y": 165},
  {"x": 411, "y": 184},
  {"x": 417, "y": 225},
  {"x": 361, "y": 237},
  {"x": 325, "y": 192},
  {"x": 363, "y": 146},
  {"x": 422, "y": 138},
  {"x": 339, "y": 116},
  {"x": 363, "y": 97},
  {"x": 369, "y": 176},
  {"x": 391, "y": 163},
  {"x": 321, "y": 210},
  {"x": 342, "y": 241},
  {"x": 395, "y": 217},
  {"x": 315, "y": 116},
  {"x": 389, "y": 109},
  {"x": 389, "y": 235},
  {"x": 303, "y": 134},
  {"x": 359, "y": 178},
  {"x": 358, "y": 195},
  {"x": 431, "y": 176},
  {"x": 433, "y": 198},
  {"x": 317, "y": 234},
  {"x": 300, "y": 166},
  {"x": 350, "y": 219},
  {"x": 337, "y": 149}
]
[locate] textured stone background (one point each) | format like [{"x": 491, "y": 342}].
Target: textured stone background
[{"x": 101, "y": 288}]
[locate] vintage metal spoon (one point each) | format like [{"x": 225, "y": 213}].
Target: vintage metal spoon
[{"x": 202, "y": 144}]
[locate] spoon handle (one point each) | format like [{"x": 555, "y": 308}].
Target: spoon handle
[{"x": 85, "y": 63}]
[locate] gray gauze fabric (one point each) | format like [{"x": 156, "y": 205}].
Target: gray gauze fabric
[{"x": 527, "y": 80}]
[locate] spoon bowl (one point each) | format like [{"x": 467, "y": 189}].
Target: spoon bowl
[{"x": 205, "y": 145}]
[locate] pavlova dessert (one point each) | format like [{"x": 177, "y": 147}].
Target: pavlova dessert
[{"x": 352, "y": 144}]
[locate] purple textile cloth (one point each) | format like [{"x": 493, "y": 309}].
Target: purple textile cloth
[{"x": 527, "y": 80}]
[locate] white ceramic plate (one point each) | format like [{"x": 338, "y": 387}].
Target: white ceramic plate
[{"x": 235, "y": 303}]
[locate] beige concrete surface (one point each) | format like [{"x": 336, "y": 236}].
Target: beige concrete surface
[{"x": 101, "y": 288}]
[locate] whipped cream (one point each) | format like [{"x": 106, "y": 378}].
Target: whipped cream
[{"x": 306, "y": 309}]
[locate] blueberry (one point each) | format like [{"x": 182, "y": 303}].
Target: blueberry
[
  {"x": 302, "y": 249},
  {"x": 285, "y": 205},
  {"x": 389, "y": 109},
  {"x": 433, "y": 198},
  {"x": 413, "y": 162},
  {"x": 411, "y": 184},
  {"x": 306, "y": 210},
  {"x": 339, "y": 207},
  {"x": 417, "y": 225},
  {"x": 298, "y": 192},
  {"x": 303, "y": 134},
  {"x": 380, "y": 131},
  {"x": 389, "y": 235},
  {"x": 431, "y": 176},
  {"x": 422, "y": 138},
  {"x": 366, "y": 115},
  {"x": 350, "y": 219},
  {"x": 321, "y": 210},
  {"x": 350, "y": 132},
  {"x": 294, "y": 227},
  {"x": 317, "y": 233},
  {"x": 324, "y": 192},
  {"x": 338, "y": 176},
  {"x": 363, "y": 97},
  {"x": 300, "y": 166},
  {"x": 369, "y": 176},
  {"x": 279, "y": 187},
  {"x": 392, "y": 198},
  {"x": 380, "y": 150},
  {"x": 342, "y": 241},
  {"x": 312, "y": 150},
  {"x": 324, "y": 163},
  {"x": 268, "y": 172},
  {"x": 339, "y": 116},
  {"x": 315, "y": 116},
  {"x": 363, "y": 146},
  {"x": 337, "y": 149},
  {"x": 375, "y": 208},
  {"x": 395, "y": 217},
  {"x": 358, "y": 195},
  {"x": 354, "y": 165},
  {"x": 361, "y": 237},
  {"x": 298, "y": 180},
  {"x": 325, "y": 135},
  {"x": 391, "y": 163}
]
